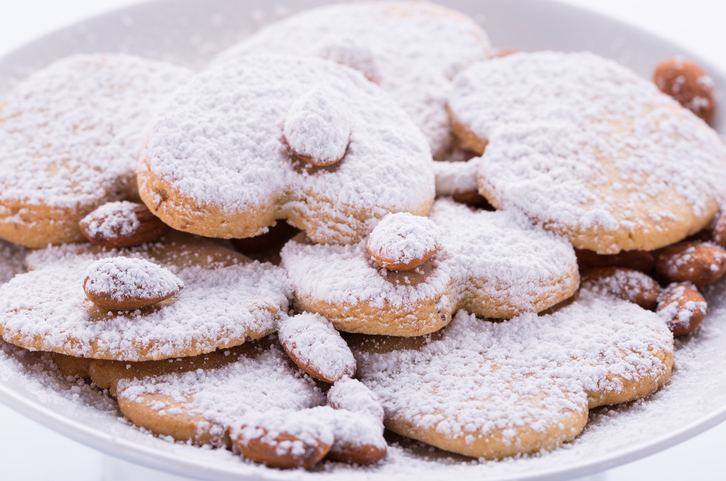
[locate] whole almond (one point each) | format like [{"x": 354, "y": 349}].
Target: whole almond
[
  {"x": 638, "y": 260},
  {"x": 278, "y": 447},
  {"x": 688, "y": 84},
  {"x": 626, "y": 284},
  {"x": 122, "y": 283},
  {"x": 701, "y": 263},
  {"x": 311, "y": 342},
  {"x": 682, "y": 307},
  {"x": 122, "y": 224},
  {"x": 719, "y": 230}
]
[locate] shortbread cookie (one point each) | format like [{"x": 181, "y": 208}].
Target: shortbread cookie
[
  {"x": 70, "y": 137},
  {"x": 497, "y": 389},
  {"x": 227, "y": 300},
  {"x": 589, "y": 150},
  {"x": 195, "y": 399},
  {"x": 411, "y": 49},
  {"x": 489, "y": 263},
  {"x": 218, "y": 161}
]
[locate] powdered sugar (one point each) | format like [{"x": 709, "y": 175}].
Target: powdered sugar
[
  {"x": 476, "y": 377},
  {"x": 318, "y": 126},
  {"x": 219, "y": 141},
  {"x": 674, "y": 311},
  {"x": 128, "y": 278},
  {"x": 456, "y": 176},
  {"x": 223, "y": 303},
  {"x": 413, "y": 49},
  {"x": 267, "y": 427},
  {"x": 261, "y": 379},
  {"x": 577, "y": 141},
  {"x": 113, "y": 219},
  {"x": 71, "y": 132},
  {"x": 487, "y": 261},
  {"x": 314, "y": 344},
  {"x": 352, "y": 395},
  {"x": 403, "y": 238}
]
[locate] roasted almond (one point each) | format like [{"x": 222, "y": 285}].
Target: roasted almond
[
  {"x": 403, "y": 241},
  {"x": 318, "y": 126},
  {"x": 638, "y": 260},
  {"x": 123, "y": 283},
  {"x": 626, "y": 284},
  {"x": 122, "y": 224},
  {"x": 281, "y": 439},
  {"x": 316, "y": 347},
  {"x": 688, "y": 84},
  {"x": 701, "y": 263},
  {"x": 682, "y": 307}
]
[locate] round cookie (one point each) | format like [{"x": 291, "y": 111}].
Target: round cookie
[
  {"x": 227, "y": 300},
  {"x": 411, "y": 49},
  {"x": 591, "y": 151},
  {"x": 217, "y": 161},
  {"x": 489, "y": 263},
  {"x": 70, "y": 137},
  {"x": 497, "y": 389}
]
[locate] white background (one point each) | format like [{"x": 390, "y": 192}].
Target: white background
[{"x": 31, "y": 452}]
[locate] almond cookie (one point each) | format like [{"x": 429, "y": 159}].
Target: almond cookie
[
  {"x": 591, "y": 151},
  {"x": 226, "y": 300},
  {"x": 489, "y": 263},
  {"x": 196, "y": 398},
  {"x": 248, "y": 395},
  {"x": 497, "y": 389},
  {"x": 411, "y": 49},
  {"x": 231, "y": 152},
  {"x": 70, "y": 137}
]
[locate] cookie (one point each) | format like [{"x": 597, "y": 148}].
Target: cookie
[
  {"x": 237, "y": 395},
  {"x": 498, "y": 389},
  {"x": 490, "y": 263},
  {"x": 218, "y": 161},
  {"x": 70, "y": 137},
  {"x": 588, "y": 149},
  {"x": 226, "y": 300},
  {"x": 411, "y": 49},
  {"x": 196, "y": 398}
]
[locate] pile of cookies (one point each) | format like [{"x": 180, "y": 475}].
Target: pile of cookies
[{"x": 362, "y": 216}]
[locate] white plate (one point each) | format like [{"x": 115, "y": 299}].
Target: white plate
[{"x": 190, "y": 32}]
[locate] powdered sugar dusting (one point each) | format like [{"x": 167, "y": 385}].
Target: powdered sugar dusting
[
  {"x": 679, "y": 314},
  {"x": 413, "y": 49},
  {"x": 128, "y": 278},
  {"x": 219, "y": 140},
  {"x": 456, "y": 176},
  {"x": 260, "y": 380},
  {"x": 113, "y": 219},
  {"x": 312, "y": 339},
  {"x": 484, "y": 258},
  {"x": 71, "y": 132},
  {"x": 588, "y": 144},
  {"x": 402, "y": 238},
  {"x": 352, "y": 395},
  {"x": 477, "y": 376},
  {"x": 318, "y": 126},
  {"x": 220, "y": 302}
]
